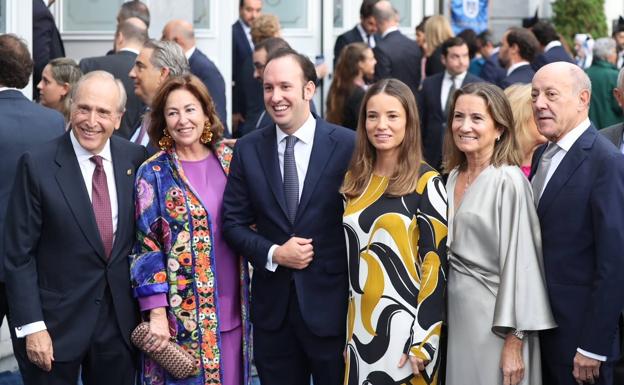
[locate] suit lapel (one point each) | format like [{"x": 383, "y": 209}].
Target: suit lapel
[
  {"x": 322, "y": 149},
  {"x": 267, "y": 153},
  {"x": 71, "y": 183},
  {"x": 571, "y": 161},
  {"x": 437, "y": 95},
  {"x": 124, "y": 184}
]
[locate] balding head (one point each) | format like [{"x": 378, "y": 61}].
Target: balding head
[
  {"x": 385, "y": 15},
  {"x": 131, "y": 33},
  {"x": 561, "y": 92},
  {"x": 180, "y": 32}
]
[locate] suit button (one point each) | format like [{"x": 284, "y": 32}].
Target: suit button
[{"x": 97, "y": 302}]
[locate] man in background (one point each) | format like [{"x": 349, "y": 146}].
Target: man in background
[
  {"x": 518, "y": 48},
  {"x": 364, "y": 32}
]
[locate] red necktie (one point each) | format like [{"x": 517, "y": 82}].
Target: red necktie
[{"x": 102, "y": 205}]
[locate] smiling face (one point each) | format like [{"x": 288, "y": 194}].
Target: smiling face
[
  {"x": 51, "y": 93},
  {"x": 386, "y": 119},
  {"x": 474, "y": 131},
  {"x": 558, "y": 106},
  {"x": 94, "y": 113},
  {"x": 185, "y": 119},
  {"x": 286, "y": 95}
]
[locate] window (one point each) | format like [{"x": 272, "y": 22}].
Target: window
[
  {"x": 2, "y": 16},
  {"x": 405, "y": 12},
  {"x": 292, "y": 14},
  {"x": 338, "y": 13},
  {"x": 89, "y": 16},
  {"x": 201, "y": 14}
]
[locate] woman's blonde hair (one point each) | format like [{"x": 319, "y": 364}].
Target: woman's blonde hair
[
  {"x": 437, "y": 30},
  {"x": 519, "y": 96},
  {"x": 407, "y": 170},
  {"x": 264, "y": 27},
  {"x": 506, "y": 149}
]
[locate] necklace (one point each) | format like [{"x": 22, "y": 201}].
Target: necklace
[{"x": 469, "y": 180}]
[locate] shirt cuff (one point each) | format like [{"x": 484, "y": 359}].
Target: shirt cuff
[
  {"x": 270, "y": 266},
  {"x": 153, "y": 301},
  {"x": 591, "y": 355},
  {"x": 33, "y": 327}
]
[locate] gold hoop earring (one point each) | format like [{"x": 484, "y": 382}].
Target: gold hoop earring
[
  {"x": 206, "y": 135},
  {"x": 166, "y": 142}
]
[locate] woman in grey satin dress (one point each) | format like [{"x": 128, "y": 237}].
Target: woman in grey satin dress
[{"x": 496, "y": 292}]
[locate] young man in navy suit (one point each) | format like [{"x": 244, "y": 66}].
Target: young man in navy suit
[
  {"x": 70, "y": 230},
  {"x": 578, "y": 185},
  {"x": 364, "y": 32},
  {"x": 550, "y": 45},
  {"x": 284, "y": 181},
  {"x": 518, "y": 48}
]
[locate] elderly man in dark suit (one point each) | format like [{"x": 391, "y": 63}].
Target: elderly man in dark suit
[
  {"x": 615, "y": 132},
  {"x": 284, "y": 179},
  {"x": 69, "y": 231},
  {"x": 244, "y": 88},
  {"x": 364, "y": 32},
  {"x": 130, "y": 36},
  {"x": 397, "y": 55},
  {"x": 23, "y": 125},
  {"x": 578, "y": 185},
  {"x": 518, "y": 48},
  {"x": 434, "y": 99},
  {"x": 550, "y": 45},
  {"x": 181, "y": 32}
]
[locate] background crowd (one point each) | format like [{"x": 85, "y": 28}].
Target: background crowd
[{"x": 455, "y": 218}]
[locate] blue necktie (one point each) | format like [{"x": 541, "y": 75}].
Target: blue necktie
[{"x": 291, "y": 181}]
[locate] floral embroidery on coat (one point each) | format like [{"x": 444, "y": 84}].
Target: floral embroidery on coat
[{"x": 173, "y": 255}]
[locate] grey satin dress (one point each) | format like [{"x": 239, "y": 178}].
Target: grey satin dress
[{"x": 496, "y": 277}]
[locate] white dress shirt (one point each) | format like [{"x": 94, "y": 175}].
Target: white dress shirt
[
  {"x": 303, "y": 150},
  {"x": 247, "y": 30},
  {"x": 565, "y": 144},
  {"x": 552, "y": 44},
  {"x": 390, "y": 29},
  {"x": 446, "y": 86},
  {"x": 87, "y": 167},
  {"x": 513, "y": 67},
  {"x": 134, "y": 51},
  {"x": 370, "y": 40},
  {"x": 190, "y": 52}
]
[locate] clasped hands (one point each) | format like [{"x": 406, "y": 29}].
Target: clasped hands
[{"x": 296, "y": 253}]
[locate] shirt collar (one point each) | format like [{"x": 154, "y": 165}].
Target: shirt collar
[
  {"x": 9, "y": 88},
  {"x": 134, "y": 51},
  {"x": 390, "y": 29},
  {"x": 568, "y": 139},
  {"x": 513, "y": 67},
  {"x": 552, "y": 44},
  {"x": 246, "y": 28},
  {"x": 362, "y": 31},
  {"x": 305, "y": 133},
  {"x": 459, "y": 77},
  {"x": 190, "y": 52},
  {"x": 82, "y": 154}
]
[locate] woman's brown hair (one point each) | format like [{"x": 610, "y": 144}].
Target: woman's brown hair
[
  {"x": 192, "y": 84},
  {"x": 347, "y": 69},
  {"x": 407, "y": 170},
  {"x": 506, "y": 149}
]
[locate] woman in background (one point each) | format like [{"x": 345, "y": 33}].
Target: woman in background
[
  {"x": 525, "y": 129},
  {"x": 356, "y": 66},
  {"x": 497, "y": 299},
  {"x": 437, "y": 31},
  {"x": 58, "y": 78},
  {"x": 395, "y": 224}
]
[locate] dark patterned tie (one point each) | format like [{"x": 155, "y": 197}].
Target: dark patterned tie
[
  {"x": 100, "y": 200},
  {"x": 291, "y": 181}
]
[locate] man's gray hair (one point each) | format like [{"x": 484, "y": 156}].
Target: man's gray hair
[
  {"x": 167, "y": 54},
  {"x": 604, "y": 47},
  {"x": 121, "y": 103}
]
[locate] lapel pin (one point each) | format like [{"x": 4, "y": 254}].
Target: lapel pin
[{"x": 129, "y": 171}]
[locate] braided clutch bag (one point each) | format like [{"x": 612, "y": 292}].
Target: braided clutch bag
[{"x": 173, "y": 359}]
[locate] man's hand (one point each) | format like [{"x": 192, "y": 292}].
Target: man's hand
[
  {"x": 39, "y": 349},
  {"x": 417, "y": 364},
  {"x": 296, "y": 253},
  {"x": 585, "y": 369}
]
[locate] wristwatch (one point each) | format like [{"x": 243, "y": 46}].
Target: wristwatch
[{"x": 519, "y": 334}]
